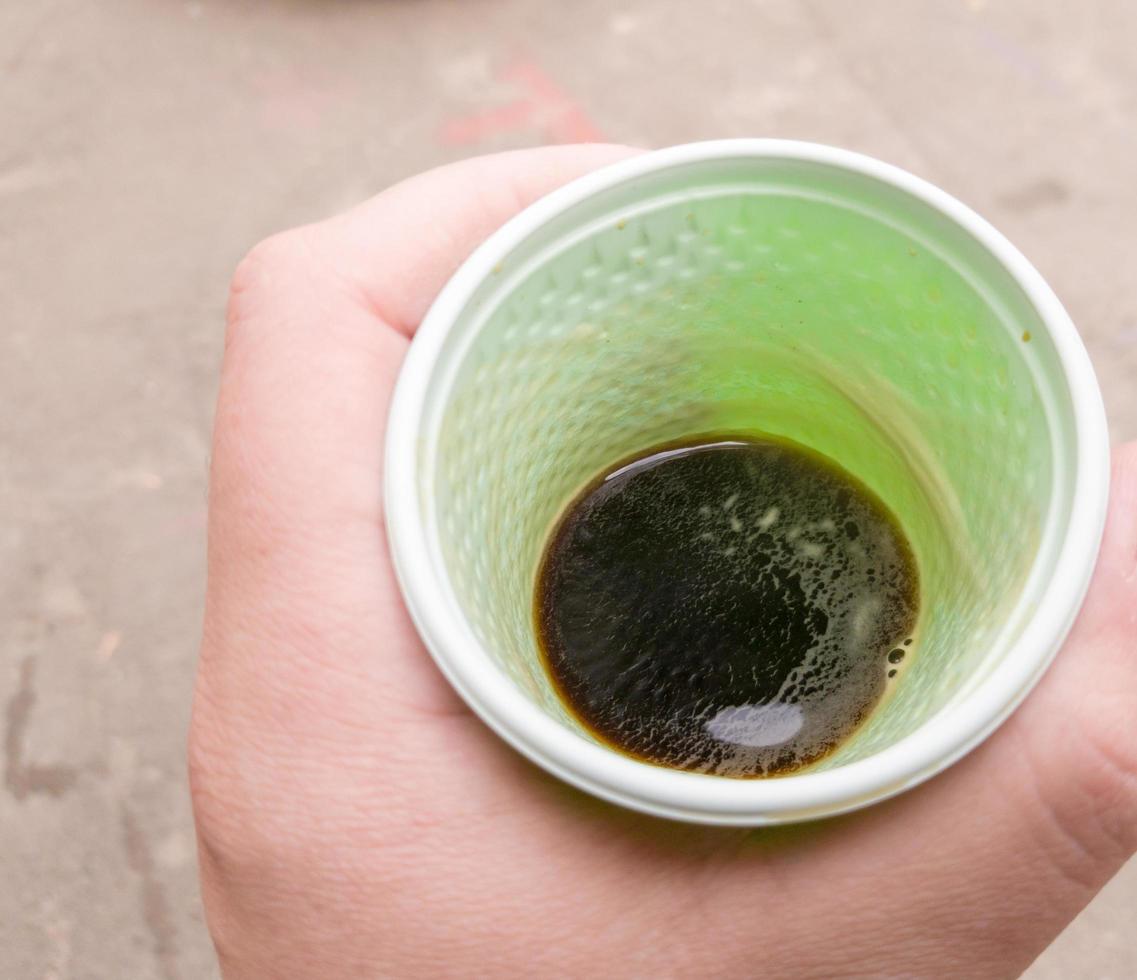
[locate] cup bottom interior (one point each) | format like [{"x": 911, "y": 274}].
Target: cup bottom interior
[{"x": 758, "y": 298}]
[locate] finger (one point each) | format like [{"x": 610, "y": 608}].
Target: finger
[
  {"x": 994, "y": 857},
  {"x": 399, "y": 248},
  {"x": 308, "y": 365},
  {"x": 303, "y": 615}
]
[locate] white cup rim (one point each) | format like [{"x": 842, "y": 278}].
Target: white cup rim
[{"x": 690, "y": 796}]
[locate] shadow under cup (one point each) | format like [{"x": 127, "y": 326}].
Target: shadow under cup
[{"x": 765, "y": 296}]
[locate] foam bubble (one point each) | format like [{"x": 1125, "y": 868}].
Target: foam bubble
[
  {"x": 756, "y": 725},
  {"x": 768, "y": 519}
]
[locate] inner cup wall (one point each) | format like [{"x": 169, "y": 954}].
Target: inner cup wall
[{"x": 796, "y": 300}]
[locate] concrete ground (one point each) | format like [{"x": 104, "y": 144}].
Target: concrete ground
[{"x": 146, "y": 145}]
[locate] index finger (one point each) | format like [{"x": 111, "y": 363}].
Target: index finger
[
  {"x": 399, "y": 248},
  {"x": 309, "y": 366}
]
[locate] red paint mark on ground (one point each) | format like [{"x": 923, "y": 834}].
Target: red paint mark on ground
[{"x": 543, "y": 105}]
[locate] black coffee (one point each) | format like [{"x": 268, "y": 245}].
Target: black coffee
[{"x": 729, "y": 606}]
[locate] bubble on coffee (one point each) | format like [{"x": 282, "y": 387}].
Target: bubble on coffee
[{"x": 729, "y": 606}]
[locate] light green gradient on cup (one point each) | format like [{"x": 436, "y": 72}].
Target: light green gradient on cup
[{"x": 777, "y": 297}]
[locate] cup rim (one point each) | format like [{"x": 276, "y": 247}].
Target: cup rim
[{"x": 694, "y": 797}]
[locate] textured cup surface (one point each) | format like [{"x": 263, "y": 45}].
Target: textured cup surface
[{"x": 753, "y": 287}]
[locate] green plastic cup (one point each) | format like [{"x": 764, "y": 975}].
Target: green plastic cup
[{"x": 776, "y": 288}]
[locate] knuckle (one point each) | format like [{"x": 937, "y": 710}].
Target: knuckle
[
  {"x": 1088, "y": 799},
  {"x": 208, "y": 773},
  {"x": 1110, "y": 782},
  {"x": 236, "y": 837},
  {"x": 225, "y": 772},
  {"x": 270, "y": 258},
  {"x": 273, "y": 265}
]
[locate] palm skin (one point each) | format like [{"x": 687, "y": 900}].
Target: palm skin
[{"x": 355, "y": 820}]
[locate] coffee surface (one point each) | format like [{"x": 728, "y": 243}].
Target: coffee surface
[{"x": 729, "y": 606}]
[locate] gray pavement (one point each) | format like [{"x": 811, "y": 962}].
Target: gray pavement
[{"x": 144, "y": 146}]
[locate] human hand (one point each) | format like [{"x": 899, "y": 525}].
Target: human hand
[{"x": 355, "y": 820}]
